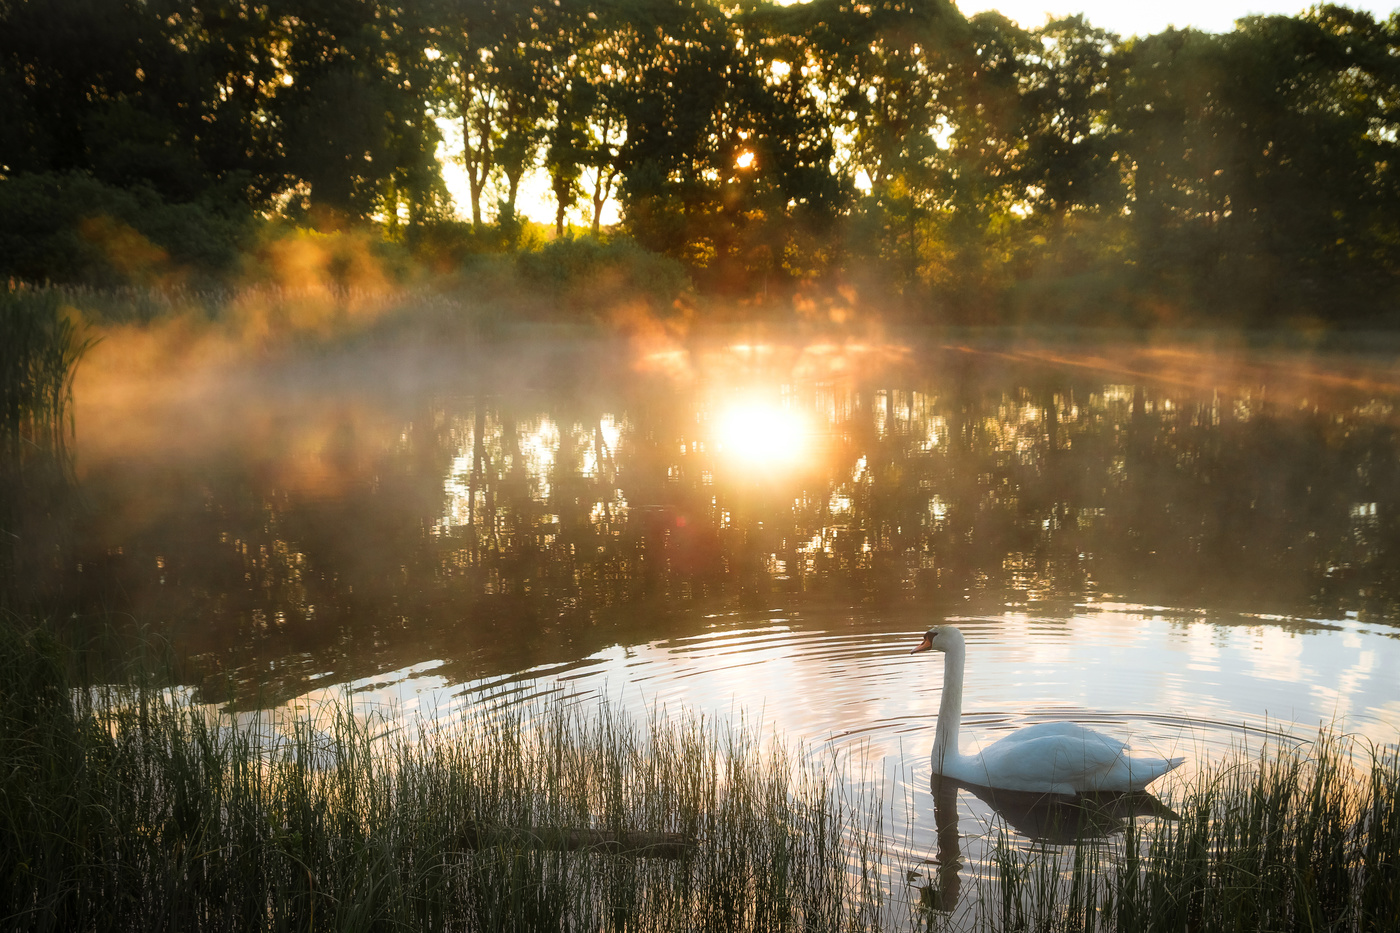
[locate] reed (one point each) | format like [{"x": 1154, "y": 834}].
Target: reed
[
  {"x": 1295, "y": 838},
  {"x": 40, "y": 348},
  {"x": 267, "y": 316},
  {"x": 1302, "y": 838},
  {"x": 124, "y": 808}
]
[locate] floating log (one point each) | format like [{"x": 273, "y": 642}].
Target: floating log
[{"x": 570, "y": 839}]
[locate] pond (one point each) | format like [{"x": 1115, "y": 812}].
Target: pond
[{"x": 1192, "y": 548}]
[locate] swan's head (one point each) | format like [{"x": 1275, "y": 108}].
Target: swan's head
[{"x": 940, "y": 638}]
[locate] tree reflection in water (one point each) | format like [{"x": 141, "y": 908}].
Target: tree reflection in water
[{"x": 526, "y": 514}]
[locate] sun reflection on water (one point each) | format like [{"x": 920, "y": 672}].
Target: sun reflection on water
[{"x": 763, "y": 434}]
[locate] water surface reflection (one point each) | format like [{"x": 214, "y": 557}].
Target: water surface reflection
[{"x": 504, "y": 510}]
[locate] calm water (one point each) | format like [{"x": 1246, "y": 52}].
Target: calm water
[{"x": 1189, "y": 549}]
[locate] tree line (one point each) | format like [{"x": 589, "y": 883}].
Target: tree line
[{"x": 966, "y": 169}]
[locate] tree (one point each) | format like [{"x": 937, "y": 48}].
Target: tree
[
  {"x": 602, "y": 77},
  {"x": 464, "y": 49},
  {"x": 338, "y": 106},
  {"x": 1071, "y": 145},
  {"x": 567, "y": 146},
  {"x": 1167, "y": 101},
  {"x": 1305, "y": 109},
  {"x": 160, "y": 93},
  {"x": 497, "y": 59},
  {"x": 886, "y": 73},
  {"x": 1259, "y": 161},
  {"x": 724, "y": 142},
  {"x": 677, "y": 76}
]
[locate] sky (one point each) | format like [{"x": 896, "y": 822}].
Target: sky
[{"x": 1133, "y": 17}]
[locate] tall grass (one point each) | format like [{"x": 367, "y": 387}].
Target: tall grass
[
  {"x": 486, "y": 300},
  {"x": 40, "y": 346},
  {"x": 39, "y": 352},
  {"x": 1296, "y": 838},
  {"x": 1300, "y": 839},
  {"x": 124, "y": 809}
]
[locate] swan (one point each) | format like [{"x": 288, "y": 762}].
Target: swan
[{"x": 1048, "y": 758}]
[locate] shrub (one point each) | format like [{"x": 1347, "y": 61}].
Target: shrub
[
  {"x": 598, "y": 273},
  {"x": 74, "y": 228}
]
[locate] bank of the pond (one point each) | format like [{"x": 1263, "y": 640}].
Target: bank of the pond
[{"x": 124, "y": 807}]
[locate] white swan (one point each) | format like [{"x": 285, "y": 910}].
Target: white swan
[{"x": 1048, "y": 758}]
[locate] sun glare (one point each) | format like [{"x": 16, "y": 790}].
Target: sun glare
[{"x": 761, "y": 434}]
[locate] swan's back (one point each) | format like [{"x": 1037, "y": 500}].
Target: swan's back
[{"x": 1062, "y": 758}]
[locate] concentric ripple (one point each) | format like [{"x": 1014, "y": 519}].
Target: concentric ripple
[{"x": 841, "y": 685}]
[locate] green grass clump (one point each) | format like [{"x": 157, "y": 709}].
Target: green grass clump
[
  {"x": 39, "y": 352},
  {"x": 126, "y": 809},
  {"x": 40, "y": 346},
  {"x": 1300, "y": 840},
  {"x": 1297, "y": 838}
]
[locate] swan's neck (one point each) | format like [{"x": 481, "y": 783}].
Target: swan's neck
[{"x": 945, "y": 740}]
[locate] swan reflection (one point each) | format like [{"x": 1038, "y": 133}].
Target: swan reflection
[{"x": 1042, "y": 819}]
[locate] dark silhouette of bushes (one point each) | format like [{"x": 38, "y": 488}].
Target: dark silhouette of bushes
[{"x": 70, "y": 227}]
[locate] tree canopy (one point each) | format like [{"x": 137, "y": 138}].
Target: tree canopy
[{"x": 968, "y": 169}]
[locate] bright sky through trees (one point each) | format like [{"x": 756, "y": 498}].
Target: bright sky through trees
[
  {"x": 1133, "y": 17},
  {"x": 1136, "y": 17}
]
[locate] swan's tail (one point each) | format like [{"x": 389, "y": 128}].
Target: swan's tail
[{"x": 1146, "y": 771}]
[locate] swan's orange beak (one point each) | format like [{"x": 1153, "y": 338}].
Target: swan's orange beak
[{"x": 924, "y": 645}]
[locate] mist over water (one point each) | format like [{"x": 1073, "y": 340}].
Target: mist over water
[
  {"x": 529, "y": 504},
  {"x": 886, "y": 334}
]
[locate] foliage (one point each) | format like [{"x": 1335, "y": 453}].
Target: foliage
[
  {"x": 1262, "y": 162},
  {"x": 946, "y": 164},
  {"x": 598, "y": 275},
  {"x": 73, "y": 227}
]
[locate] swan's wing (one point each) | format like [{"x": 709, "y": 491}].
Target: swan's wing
[
  {"x": 1061, "y": 756},
  {"x": 1068, "y": 730}
]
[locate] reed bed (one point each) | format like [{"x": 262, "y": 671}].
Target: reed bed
[
  {"x": 259, "y": 312},
  {"x": 40, "y": 348},
  {"x": 1293, "y": 838},
  {"x": 266, "y": 315},
  {"x": 127, "y": 809}
]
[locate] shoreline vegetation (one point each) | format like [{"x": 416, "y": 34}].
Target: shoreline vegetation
[
  {"x": 126, "y": 807},
  {"x": 814, "y": 160},
  {"x": 52, "y": 327}
]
